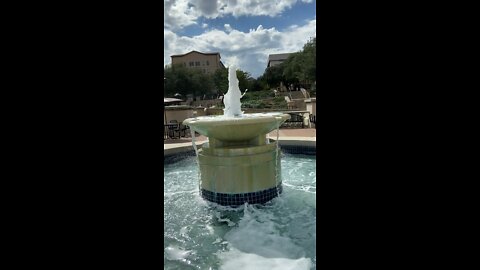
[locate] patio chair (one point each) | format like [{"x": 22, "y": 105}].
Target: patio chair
[
  {"x": 173, "y": 128},
  {"x": 183, "y": 128}
]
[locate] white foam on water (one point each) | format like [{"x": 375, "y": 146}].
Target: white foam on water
[
  {"x": 170, "y": 194},
  {"x": 258, "y": 243},
  {"x": 228, "y": 221},
  {"x": 174, "y": 253},
  {"x": 235, "y": 259},
  {"x": 209, "y": 229},
  {"x": 278, "y": 235},
  {"x": 184, "y": 231}
]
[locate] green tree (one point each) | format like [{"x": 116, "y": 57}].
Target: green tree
[
  {"x": 183, "y": 80},
  {"x": 220, "y": 80},
  {"x": 274, "y": 75},
  {"x": 300, "y": 67},
  {"x": 244, "y": 80},
  {"x": 258, "y": 84}
]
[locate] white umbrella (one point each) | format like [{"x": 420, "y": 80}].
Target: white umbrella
[{"x": 170, "y": 100}]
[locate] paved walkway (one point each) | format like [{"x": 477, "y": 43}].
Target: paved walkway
[{"x": 305, "y": 134}]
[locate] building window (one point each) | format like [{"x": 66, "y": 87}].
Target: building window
[
  {"x": 197, "y": 63},
  {"x": 208, "y": 63}
]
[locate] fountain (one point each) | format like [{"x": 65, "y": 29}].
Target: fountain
[{"x": 238, "y": 163}]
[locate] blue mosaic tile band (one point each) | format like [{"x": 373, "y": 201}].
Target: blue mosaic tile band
[{"x": 239, "y": 199}]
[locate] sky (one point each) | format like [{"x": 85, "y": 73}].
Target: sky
[{"x": 244, "y": 32}]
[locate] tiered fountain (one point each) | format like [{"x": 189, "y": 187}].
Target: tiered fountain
[{"x": 238, "y": 163}]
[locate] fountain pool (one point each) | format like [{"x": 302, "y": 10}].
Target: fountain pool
[{"x": 279, "y": 234}]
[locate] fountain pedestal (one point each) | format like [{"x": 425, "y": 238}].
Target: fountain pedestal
[{"x": 242, "y": 167}]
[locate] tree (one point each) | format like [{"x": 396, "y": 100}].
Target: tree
[
  {"x": 183, "y": 80},
  {"x": 274, "y": 75},
  {"x": 244, "y": 80},
  {"x": 259, "y": 84},
  {"x": 220, "y": 80},
  {"x": 299, "y": 67}
]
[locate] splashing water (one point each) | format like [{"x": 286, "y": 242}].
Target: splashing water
[
  {"x": 278, "y": 235},
  {"x": 233, "y": 95},
  {"x": 192, "y": 130},
  {"x": 277, "y": 171}
]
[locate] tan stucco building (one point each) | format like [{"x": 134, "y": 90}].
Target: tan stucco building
[
  {"x": 206, "y": 62},
  {"x": 277, "y": 59}
]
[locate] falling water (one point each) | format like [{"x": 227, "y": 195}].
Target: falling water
[
  {"x": 192, "y": 130},
  {"x": 277, "y": 172}
]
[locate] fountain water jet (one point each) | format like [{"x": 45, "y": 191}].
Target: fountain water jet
[{"x": 238, "y": 164}]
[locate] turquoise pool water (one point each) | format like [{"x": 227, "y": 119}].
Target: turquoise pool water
[{"x": 203, "y": 235}]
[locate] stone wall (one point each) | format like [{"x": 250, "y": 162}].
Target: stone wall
[{"x": 311, "y": 105}]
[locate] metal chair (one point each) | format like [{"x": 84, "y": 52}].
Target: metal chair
[{"x": 173, "y": 128}]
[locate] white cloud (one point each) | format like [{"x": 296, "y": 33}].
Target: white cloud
[
  {"x": 254, "y": 7},
  {"x": 228, "y": 28},
  {"x": 248, "y": 51},
  {"x": 182, "y": 13},
  {"x": 204, "y": 25},
  {"x": 178, "y": 14}
]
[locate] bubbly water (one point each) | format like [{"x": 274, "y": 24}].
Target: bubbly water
[
  {"x": 280, "y": 234},
  {"x": 232, "y": 98}
]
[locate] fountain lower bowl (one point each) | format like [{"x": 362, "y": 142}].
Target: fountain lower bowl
[{"x": 235, "y": 129}]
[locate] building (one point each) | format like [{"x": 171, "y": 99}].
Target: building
[
  {"x": 206, "y": 62},
  {"x": 277, "y": 59}
]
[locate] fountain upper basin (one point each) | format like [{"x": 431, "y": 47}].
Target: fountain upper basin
[{"x": 234, "y": 129}]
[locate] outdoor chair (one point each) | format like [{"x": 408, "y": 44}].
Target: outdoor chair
[
  {"x": 172, "y": 129},
  {"x": 296, "y": 120},
  {"x": 183, "y": 128}
]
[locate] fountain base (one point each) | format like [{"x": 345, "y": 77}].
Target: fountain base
[{"x": 237, "y": 174}]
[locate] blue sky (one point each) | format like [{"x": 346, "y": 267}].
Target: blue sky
[{"x": 243, "y": 31}]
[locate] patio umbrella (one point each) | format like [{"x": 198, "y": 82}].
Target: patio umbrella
[{"x": 171, "y": 100}]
